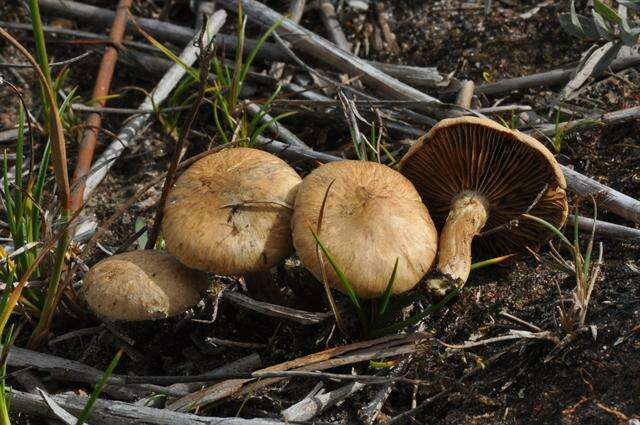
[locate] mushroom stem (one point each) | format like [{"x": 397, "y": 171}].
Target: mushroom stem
[{"x": 467, "y": 217}]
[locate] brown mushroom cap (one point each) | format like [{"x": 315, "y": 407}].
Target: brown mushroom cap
[
  {"x": 508, "y": 169},
  {"x": 142, "y": 285},
  {"x": 372, "y": 216},
  {"x": 228, "y": 212}
]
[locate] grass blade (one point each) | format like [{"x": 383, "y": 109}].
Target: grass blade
[
  {"x": 343, "y": 280},
  {"x": 86, "y": 411},
  {"x": 387, "y": 292}
]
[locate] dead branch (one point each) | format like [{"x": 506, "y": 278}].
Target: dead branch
[
  {"x": 606, "y": 230},
  {"x": 546, "y": 79},
  {"x": 392, "y": 345},
  {"x": 325, "y": 51},
  {"x": 332, "y": 25},
  {"x": 119, "y": 413},
  {"x": 179, "y": 35},
  {"x": 314, "y": 404},
  {"x": 274, "y": 310}
]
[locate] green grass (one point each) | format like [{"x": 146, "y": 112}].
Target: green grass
[
  {"x": 586, "y": 272},
  {"x": 86, "y": 411},
  {"x": 229, "y": 114}
]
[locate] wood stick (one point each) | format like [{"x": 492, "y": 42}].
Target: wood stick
[
  {"x": 119, "y": 413},
  {"x": 296, "y": 9},
  {"x": 325, "y": 51},
  {"x": 312, "y": 405},
  {"x": 608, "y": 118},
  {"x": 383, "y": 22},
  {"x": 465, "y": 95},
  {"x": 614, "y": 201},
  {"x": 606, "y": 230},
  {"x": 369, "y": 413},
  {"x": 339, "y": 356},
  {"x": 155, "y": 99},
  {"x": 545, "y": 79},
  {"x": 24, "y": 358},
  {"x": 332, "y": 25},
  {"x": 278, "y": 311},
  {"x": 243, "y": 364},
  {"x": 93, "y": 121},
  {"x": 165, "y": 31}
]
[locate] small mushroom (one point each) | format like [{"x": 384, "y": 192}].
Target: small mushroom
[
  {"x": 142, "y": 285},
  {"x": 372, "y": 216},
  {"x": 229, "y": 213},
  {"x": 474, "y": 175}
]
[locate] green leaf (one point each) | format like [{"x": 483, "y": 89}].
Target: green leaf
[
  {"x": 606, "y": 12},
  {"x": 491, "y": 262},
  {"x": 84, "y": 415},
  {"x": 387, "y": 292},
  {"x": 355, "y": 300},
  {"x": 552, "y": 228},
  {"x": 168, "y": 53}
]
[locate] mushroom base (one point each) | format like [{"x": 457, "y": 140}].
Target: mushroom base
[{"x": 467, "y": 217}]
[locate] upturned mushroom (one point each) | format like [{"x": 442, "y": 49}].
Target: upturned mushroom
[
  {"x": 142, "y": 285},
  {"x": 372, "y": 216},
  {"x": 229, "y": 213},
  {"x": 476, "y": 175}
]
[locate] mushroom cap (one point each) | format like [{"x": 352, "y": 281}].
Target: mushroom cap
[
  {"x": 508, "y": 169},
  {"x": 227, "y": 213},
  {"x": 372, "y": 216},
  {"x": 142, "y": 285}
]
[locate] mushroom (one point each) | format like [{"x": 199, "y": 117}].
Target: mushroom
[
  {"x": 475, "y": 174},
  {"x": 142, "y": 285},
  {"x": 372, "y": 216},
  {"x": 229, "y": 213}
]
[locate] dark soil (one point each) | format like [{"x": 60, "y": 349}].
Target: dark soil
[{"x": 594, "y": 380}]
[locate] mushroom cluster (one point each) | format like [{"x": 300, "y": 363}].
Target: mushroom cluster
[
  {"x": 241, "y": 211},
  {"x": 229, "y": 213}
]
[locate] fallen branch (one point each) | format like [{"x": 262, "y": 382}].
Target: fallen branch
[
  {"x": 392, "y": 345},
  {"x": 325, "y": 51},
  {"x": 314, "y": 404},
  {"x": 119, "y": 413},
  {"x": 332, "y": 25},
  {"x": 606, "y": 230},
  {"x": 545, "y": 79},
  {"x": 274, "y": 310},
  {"x": 155, "y": 99},
  {"x": 609, "y": 118},
  {"x": 296, "y": 9},
  {"x": 165, "y": 31},
  {"x": 616, "y": 202}
]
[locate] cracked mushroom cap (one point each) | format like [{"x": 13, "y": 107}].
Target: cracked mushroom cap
[
  {"x": 372, "y": 216},
  {"x": 142, "y": 285},
  {"x": 229, "y": 213},
  {"x": 506, "y": 168}
]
